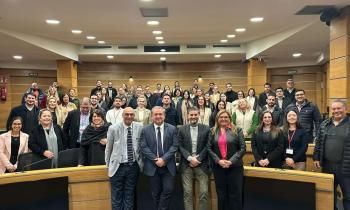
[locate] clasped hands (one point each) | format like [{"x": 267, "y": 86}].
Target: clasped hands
[
  {"x": 194, "y": 162},
  {"x": 159, "y": 162},
  {"x": 225, "y": 163},
  {"x": 264, "y": 162}
]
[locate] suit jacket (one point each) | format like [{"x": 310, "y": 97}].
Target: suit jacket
[
  {"x": 149, "y": 148},
  {"x": 71, "y": 128},
  {"x": 5, "y": 149},
  {"x": 37, "y": 140},
  {"x": 262, "y": 99},
  {"x": 114, "y": 147},
  {"x": 114, "y": 93},
  {"x": 185, "y": 146},
  {"x": 22, "y": 112},
  {"x": 146, "y": 116}
]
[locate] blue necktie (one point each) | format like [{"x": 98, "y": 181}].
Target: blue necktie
[{"x": 159, "y": 143}]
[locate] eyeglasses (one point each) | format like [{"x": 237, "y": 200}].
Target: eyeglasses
[{"x": 300, "y": 94}]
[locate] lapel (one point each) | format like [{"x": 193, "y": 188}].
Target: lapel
[
  {"x": 137, "y": 114},
  {"x": 199, "y": 137},
  {"x": 134, "y": 139},
  {"x": 188, "y": 133},
  {"x": 153, "y": 135},
  {"x": 21, "y": 143},
  {"x": 8, "y": 142},
  {"x": 165, "y": 142}
]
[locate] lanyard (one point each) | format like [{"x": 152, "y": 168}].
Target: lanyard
[{"x": 290, "y": 138}]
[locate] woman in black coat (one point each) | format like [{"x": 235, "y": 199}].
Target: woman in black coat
[
  {"x": 94, "y": 140},
  {"x": 296, "y": 142},
  {"x": 268, "y": 143},
  {"x": 47, "y": 139}
]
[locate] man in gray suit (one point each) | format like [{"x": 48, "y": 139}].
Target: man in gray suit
[
  {"x": 193, "y": 139},
  {"x": 158, "y": 146},
  {"x": 123, "y": 160}
]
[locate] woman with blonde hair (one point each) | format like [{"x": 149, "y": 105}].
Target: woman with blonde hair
[
  {"x": 246, "y": 118},
  {"x": 57, "y": 116},
  {"x": 66, "y": 106},
  {"x": 226, "y": 147},
  {"x": 142, "y": 114}
]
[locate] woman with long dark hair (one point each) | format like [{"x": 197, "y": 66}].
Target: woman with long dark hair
[
  {"x": 220, "y": 105},
  {"x": 268, "y": 143},
  {"x": 182, "y": 106}
]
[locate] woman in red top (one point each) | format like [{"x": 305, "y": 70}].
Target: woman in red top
[{"x": 226, "y": 147}]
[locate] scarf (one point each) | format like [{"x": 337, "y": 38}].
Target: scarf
[
  {"x": 51, "y": 140},
  {"x": 92, "y": 134}
]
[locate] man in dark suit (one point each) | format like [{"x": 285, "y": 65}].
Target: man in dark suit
[
  {"x": 158, "y": 146},
  {"x": 193, "y": 139},
  {"x": 97, "y": 88},
  {"x": 277, "y": 113},
  {"x": 112, "y": 92},
  {"x": 76, "y": 122},
  {"x": 263, "y": 96},
  {"x": 281, "y": 101}
]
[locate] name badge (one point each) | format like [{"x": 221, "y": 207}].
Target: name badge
[{"x": 289, "y": 151}]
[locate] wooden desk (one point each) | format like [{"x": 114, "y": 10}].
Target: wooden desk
[{"x": 89, "y": 186}]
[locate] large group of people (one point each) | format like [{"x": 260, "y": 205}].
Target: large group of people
[{"x": 134, "y": 129}]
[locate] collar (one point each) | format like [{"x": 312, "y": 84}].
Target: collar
[
  {"x": 161, "y": 126},
  {"x": 127, "y": 126}
]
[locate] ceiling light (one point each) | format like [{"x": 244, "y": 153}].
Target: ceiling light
[
  {"x": 91, "y": 37},
  {"x": 147, "y": 0},
  {"x": 159, "y": 38},
  {"x": 223, "y": 40},
  {"x": 217, "y": 56},
  {"x": 153, "y": 22},
  {"x": 110, "y": 56},
  {"x": 75, "y": 31},
  {"x": 101, "y": 42},
  {"x": 256, "y": 19},
  {"x": 53, "y": 22},
  {"x": 161, "y": 42},
  {"x": 163, "y": 58},
  {"x": 157, "y": 32},
  {"x": 17, "y": 57},
  {"x": 163, "y": 50},
  {"x": 230, "y": 36},
  {"x": 296, "y": 55},
  {"x": 240, "y": 29}
]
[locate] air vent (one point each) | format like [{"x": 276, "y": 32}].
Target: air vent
[
  {"x": 97, "y": 46},
  {"x": 126, "y": 47},
  {"x": 195, "y": 46},
  {"x": 169, "y": 48},
  {"x": 314, "y": 9},
  {"x": 154, "y": 12},
  {"x": 226, "y": 45}
]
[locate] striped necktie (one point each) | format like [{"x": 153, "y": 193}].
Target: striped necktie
[{"x": 129, "y": 146}]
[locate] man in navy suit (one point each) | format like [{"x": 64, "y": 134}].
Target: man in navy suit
[{"x": 158, "y": 146}]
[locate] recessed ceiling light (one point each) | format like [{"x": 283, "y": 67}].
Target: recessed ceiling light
[
  {"x": 163, "y": 50},
  {"x": 153, "y": 22},
  {"x": 297, "y": 55},
  {"x": 223, "y": 40},
  {"x": 110, "y": 56},
  {"x": 146, "y": 0},
  {"x": 17, "y": 57},
  {"x": 101, "y": 42},
  {"x": 217, "y": 56},
  {"x": 230, "y": 36},
  {"x": 76, "y": 31},
  {"x": 161, "y": 42},
  {"x": 91, "y": 37},
  {"x": 240, "y": 29},
  {"x": 159, "y": 38},
  {"x": 163, "y": 58},
  {"x": 256, "y": 19},
  {"x": 53, "y": 22},
  {"x": 157, "y": 32}
]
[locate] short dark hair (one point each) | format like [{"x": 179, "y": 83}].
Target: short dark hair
[
  {"x": 13, "y": 119},
  {"x": 298, "y": 90},
  {"x": 30, "y": 93},
  {"x": 266, "y": 83},
  {"x": 165, "y": 94},
  {"x": 193, "y": 108},
  {"x": 99, "y": 113},
  {"x": 279, "y": 88}
]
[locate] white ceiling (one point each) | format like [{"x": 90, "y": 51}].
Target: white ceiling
[{"x": 119, "y": 22}]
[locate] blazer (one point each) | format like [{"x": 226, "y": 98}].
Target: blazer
[
  {"x": 5, "y": 149},
  {"x": 149, "y": 148},
  {"x": 299, "y": 144},
  {"x": 236, "y": 147},
  {"x": 37, "y": 140},
  {"x": 114, "y": 93},
  {"x": 146, "y": 116},
  {"x": 114, "y": 149},
  {"x": 185, "y": 146},
  {"x": 273, "y": 151},
  {"x": 71, "y": 128}
]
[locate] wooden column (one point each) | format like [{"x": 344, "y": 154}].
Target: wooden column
[
  {"x": 339, "y": 71},
  {"x": 67, "y": 75},
  {"x": 256, "y": 75}
]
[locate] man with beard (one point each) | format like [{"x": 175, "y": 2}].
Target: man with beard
[{"x": 114, "y": 115}]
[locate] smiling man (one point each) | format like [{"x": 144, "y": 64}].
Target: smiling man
[{"x": 332, "y": 150}]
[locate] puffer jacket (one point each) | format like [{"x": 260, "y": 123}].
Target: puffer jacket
[
  {"x": 320, "y": 142},
  {"x": 308, "y": 115}
]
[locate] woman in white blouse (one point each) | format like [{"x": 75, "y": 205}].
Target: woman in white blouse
[
  {"x": 204, "y": 112},
  {"x": 141, "y": 113}
]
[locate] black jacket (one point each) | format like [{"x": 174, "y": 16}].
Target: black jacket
[
  {"x": 71, "y": 128},
  {"x": 289, "y": 96},
  {"x": 171, "y": 116},
  {"x": 274, "y": 151},
  {"x": 37, "y": 140},
  {"x": 21, "y": 111},
  {"x": 308, "y": 115},
  {"x": 320, "y": 143},
  {"x": 114, "y": 93},
  {"x": 185, "y": 146},
  {"x": 236, "y": 147},
  {"x": 277, "y": 115},
  {"x": 262, "y": 99},
  {"x": 231, "y": 96},
  {"x": 299, "y": 144}
]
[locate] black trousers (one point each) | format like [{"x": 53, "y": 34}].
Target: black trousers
[
  {"x": 229, "y": 187},
  {"x": 162, "y": 186}
]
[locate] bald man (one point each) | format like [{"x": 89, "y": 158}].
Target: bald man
[{"x": 123, "y": 160}]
